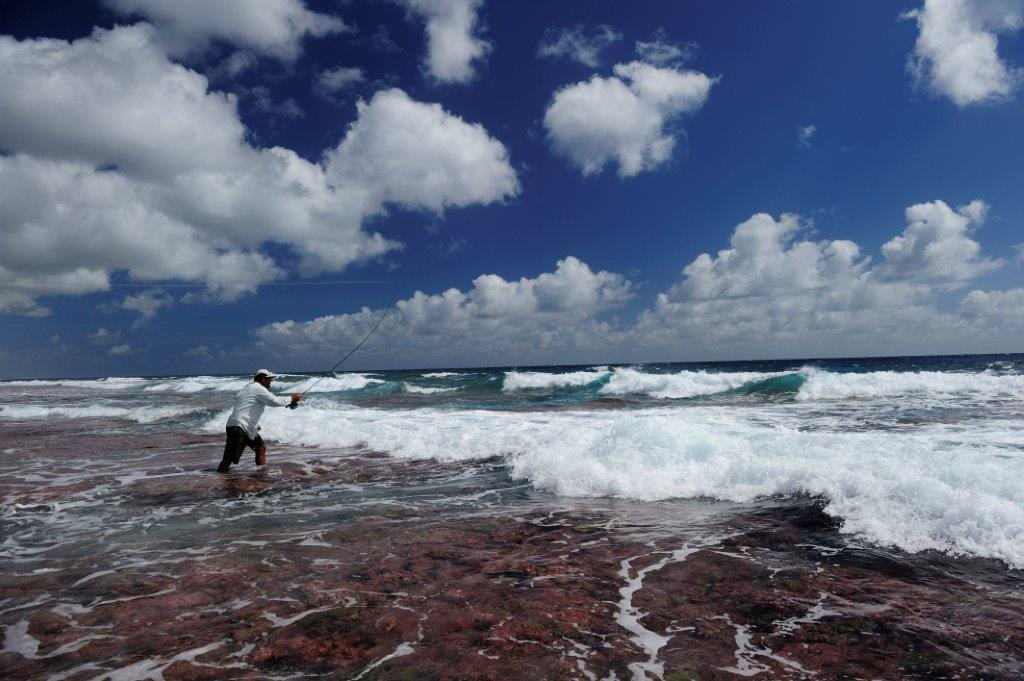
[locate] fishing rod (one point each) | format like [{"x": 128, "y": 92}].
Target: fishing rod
[{"x": 330, "y": 372}]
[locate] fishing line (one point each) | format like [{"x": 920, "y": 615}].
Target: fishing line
[{"x": 329, "y": 372}]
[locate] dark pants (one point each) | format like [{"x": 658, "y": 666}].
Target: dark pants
[{"x": 236, "y": 443}]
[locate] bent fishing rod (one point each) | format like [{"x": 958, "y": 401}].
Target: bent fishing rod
[{"x": 330, "y": 372}]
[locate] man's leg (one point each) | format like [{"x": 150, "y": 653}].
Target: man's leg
[
  {"x": 261, "y": 451},
  {"x": 232, "y": 450}
]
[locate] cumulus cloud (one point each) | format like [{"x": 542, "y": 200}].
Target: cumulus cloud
[
  {"x": 999, "y": 306},
  {"x": 156, "y": 178},
  {"x": 274, "y": 27},
  {"x": 418, "y": 155},
  {"x": 453, "y": 44},
  {"x": 937, "y": 245},
  {"x": 336, "y": 80},
  {"x": 236, "y": 64},
  {"x": 575, "y": 44},
  {"x": 146, "y": 303},
  {"x": 661, "y": 51},
  {"x": 132, "y": 107},
  {"x": 103, "y": 336},
  {"x": 956, "y": 52},
  {"x": 555, "y": 310},
  {"x": 623, "y": 119},
  {"x": 200, "y": 351},
  {"x": 771, "y": 293},
  {"x": 805, "y": 134},
  {"x": 122, "y": 349}
]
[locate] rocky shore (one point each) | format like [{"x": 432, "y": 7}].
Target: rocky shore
[{"x": 530, "y": 589}]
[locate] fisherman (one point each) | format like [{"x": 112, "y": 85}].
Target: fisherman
[{"x": 243, "y": 424}]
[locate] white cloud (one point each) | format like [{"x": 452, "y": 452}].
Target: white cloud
[
  {"x": 764, "y": 260},
  {"x": 623, "y": 119},
  {"x": 274, "y": 27},
  {"x": 155, "y": 178},
  {"x": 146, "y": 303},
  {"x": 122, "y": 349},
  {"x": 103, "y": 336},
  {"x": 418, "y": 155},
  {"x": 555, "y": 310},
  {"x": 336, "y": 80},
  {"x": 573, "y": 43},
  {"x": 661, "y": 51},
  {"x": 936, "y": 245},
  {"x": 805, "y": 134},
  {"x": 999, "y": 306},
  {"x": 260, "y": 98},
  {"x": 235, "y": 65},
  {"x": 453, "y": 43},
  {"x": 65, "y": 225},
  {"x": 131, "y": 107},
  {"x": 771, "y": 294},
  {"x": 200, "y": 351},
  {"x": 956, "y": 52}
]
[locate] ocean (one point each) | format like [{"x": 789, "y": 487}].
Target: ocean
[{"x": 714, "y": 519}]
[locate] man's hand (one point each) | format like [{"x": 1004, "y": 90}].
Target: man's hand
[{"x": 296, "y": 397}]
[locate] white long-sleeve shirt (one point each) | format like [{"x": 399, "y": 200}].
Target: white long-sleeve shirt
[{"x": 249, "y": 404}]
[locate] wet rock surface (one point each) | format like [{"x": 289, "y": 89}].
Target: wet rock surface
[{"x": 275, "y": 573}]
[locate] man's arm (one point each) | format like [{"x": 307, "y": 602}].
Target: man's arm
[{"x": 271, "y": 400}]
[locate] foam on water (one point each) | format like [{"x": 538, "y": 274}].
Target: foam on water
[
  {"x": 195, "y": 384},
  {"x": 443, "y": 374},
  {"x": 425, "y": 390},
  {"x": 679, "y": 385},
  {"x": 137, "y": 414},
  {"x": 532, "y": 380},
  {"x": 821, "y": 384},
  {"x": 931, "y": 488},
  {"x": 112, "y": 383},
  {"x": 339, "y": 383}
]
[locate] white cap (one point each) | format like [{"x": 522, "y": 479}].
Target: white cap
[{"x": 265, "y": 372}]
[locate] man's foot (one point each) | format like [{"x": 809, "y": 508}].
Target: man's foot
[{"x": 223, "y": 467}]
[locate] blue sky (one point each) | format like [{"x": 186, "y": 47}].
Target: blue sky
[{"x": 872, "y": 151}]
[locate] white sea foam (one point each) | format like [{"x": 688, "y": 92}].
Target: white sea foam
[
  {"x": 822, "y": 384},
  {"x": 339, "y": 383},
  {"x": 137, "y": 414},
  {"x": 679, "y": 385},
  {"x": 112, "y": 383},
  {"x": 424, "y": 390},
  {"x": 531, "y": 380},
  {"x": 443, "y": 374},
  {"x": 195, "y": 384},
  {"x": 931, "y": 488}
]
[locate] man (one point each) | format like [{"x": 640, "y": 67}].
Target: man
[{"x": 244, "y": 423}]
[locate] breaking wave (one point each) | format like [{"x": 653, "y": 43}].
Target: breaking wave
[
  {"x": 335, "y": 384},
  {"x": 137, "y": 414},
  {"x": 195, "y": 384},
  {"x": 679, "y": 385},
  {"x": 947, "y": 490},
  {"x": 829, "y": 385},
  {"x": 425, "y": 390},
  {"x": 532, "y": 380},
  {"x": 113, "y": 383}
]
